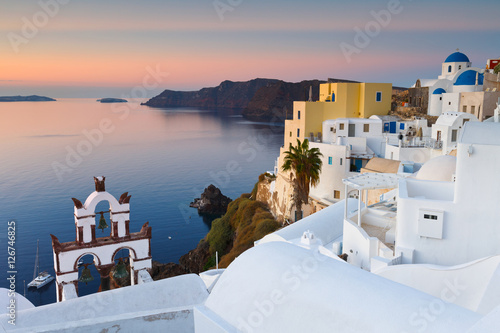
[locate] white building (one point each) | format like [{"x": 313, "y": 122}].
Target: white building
[
  {"x": 460, "y": 87},
  {"x": 441, "y": 140},
  {"x": 431, "y": 246},
  {"x": 457, "y": 220},
  {"x": 350, "y": 143}
]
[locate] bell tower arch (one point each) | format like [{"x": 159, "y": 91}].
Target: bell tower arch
[{"x": 66, "y": 255}]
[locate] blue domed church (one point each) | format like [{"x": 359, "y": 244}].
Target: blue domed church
[{"x": 459, "y": 88}]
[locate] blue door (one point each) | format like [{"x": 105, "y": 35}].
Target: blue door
[
  {"x": 386, "y": 127},
  {"x": 359, "y": 164},
  {"x": 392, "y": 127}
]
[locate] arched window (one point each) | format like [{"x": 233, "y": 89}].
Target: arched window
[
  {"x": 333, "y": 97},
  {"x": 449, "y": 69}
]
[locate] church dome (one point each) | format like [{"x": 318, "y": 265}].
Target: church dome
[
  {"x": 457, "y": 57},
  {"x": 439, "y": 168}
]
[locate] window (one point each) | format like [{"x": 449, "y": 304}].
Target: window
[
  {"x": 366, "y": 128},
  {"x": 298, "y": 132},
  {"x": 449, "y": 69},
  {"x": 332, "y": 129},
  {"x": 336, "y": 194},
  {"x": 333, "y": 97},
  {"x": 290, "y": 133},
  {"x": 449, "y": 103},
  {"x": 402, "y": 126},
  {"x": 341, "y": 127},
  {"x": 459, "y": 67},
  {"x": 453, "y": 135},
  {"x": 329, "y": 160},
  {"x": 340, "y": 161},
  {"x": 298, "y": 114},
  {"x": 379, "y": 96},
  {"x": 464, "y": 108},
  {"x": 440, "y": 98},
  {"x": 464, "y": 121},
  {"x": 430, "y": 217},
  {"x": 473, "y": 109}
]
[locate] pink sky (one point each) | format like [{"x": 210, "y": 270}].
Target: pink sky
[{"x": 92, "y": 44}]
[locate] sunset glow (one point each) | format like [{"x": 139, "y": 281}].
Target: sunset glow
[{"x": 110, "y": 45}]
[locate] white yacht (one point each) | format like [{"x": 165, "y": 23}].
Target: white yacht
[{"x": 40, "y": 279}]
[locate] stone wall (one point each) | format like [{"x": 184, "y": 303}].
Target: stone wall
[
  {"x": 419, "y": 97},
  {"x": 491, "y": 81}
]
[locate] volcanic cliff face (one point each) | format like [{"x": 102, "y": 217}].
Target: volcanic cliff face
[
  {"x": 259, "y": 99},
  {"x": 227, "y": 95},
  {"x": 274, "y": 102}
]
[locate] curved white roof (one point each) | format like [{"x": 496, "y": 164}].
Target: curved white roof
[
  {"x": 439, "y": 168},
  {"x": 481, "y": 133},
  {"x": 113, "y": 306},
  {"x": 480, "y": 277},
  {"x": 279, "y": 287},
  {"x": 22, "y": 303},
  {"x": 327, "y": 225},
  {"x": 451, "y": 118}
]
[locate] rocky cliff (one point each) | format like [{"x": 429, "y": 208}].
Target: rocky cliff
[
  {"x": 259, "y": 99},
  {"x": 227, "y": 95},
  {"x": 212, "y": 202},
  {"x": 245, "y": 221}
]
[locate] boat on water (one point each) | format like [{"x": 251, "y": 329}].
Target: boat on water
[{"x": 40, "y": 279}]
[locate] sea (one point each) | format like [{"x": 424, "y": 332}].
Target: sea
[{"x": 164, "y": 158}]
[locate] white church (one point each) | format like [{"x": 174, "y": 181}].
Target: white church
[{"x": 459, "y": 88}]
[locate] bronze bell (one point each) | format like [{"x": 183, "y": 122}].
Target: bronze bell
[
  {"x": 120, "y": 270},
  {"x": 102, "y": 223},
  {"x": 86, "y": 276}
]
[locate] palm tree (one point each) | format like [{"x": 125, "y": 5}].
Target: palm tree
[{"x": 305, "y": 164}]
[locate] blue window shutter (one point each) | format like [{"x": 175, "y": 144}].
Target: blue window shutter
[
  {"x": 402, "y": 126},
  {"x": 379, "y": 96},
  {"x": 298, "y": 132},
  {"x": 330, "y": 160}
]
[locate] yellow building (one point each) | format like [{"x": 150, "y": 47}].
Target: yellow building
[{"x": 337, "y": 100}]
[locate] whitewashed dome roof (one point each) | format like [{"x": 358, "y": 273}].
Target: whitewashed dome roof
[
  {"x": 280, "y": 287},
  {"x": 441, "y": 168}
]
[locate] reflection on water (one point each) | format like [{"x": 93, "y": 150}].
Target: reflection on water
[{"x": 163, "y": 158}]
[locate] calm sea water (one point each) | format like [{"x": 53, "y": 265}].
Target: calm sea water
[{"x": 162, "y": 157}]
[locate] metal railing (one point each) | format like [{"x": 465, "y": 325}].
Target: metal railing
[{"x": 422, "y": 143}]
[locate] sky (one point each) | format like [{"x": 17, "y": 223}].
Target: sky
[{"x": 114, "y": 48}]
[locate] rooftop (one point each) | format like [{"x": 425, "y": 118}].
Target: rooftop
[
  {"x": 371, "y": 181},
  {"x": 457, "y": 57}
]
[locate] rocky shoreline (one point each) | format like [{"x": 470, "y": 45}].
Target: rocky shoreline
[
  {"x": 211, "y": 202},
  {"x": 245, "y": 221}
]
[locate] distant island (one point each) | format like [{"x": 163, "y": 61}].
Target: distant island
[
  {"x": 258, "y": 99},
  {"x": 112, "y": 100},
  {"x": 32, "y": 98}
]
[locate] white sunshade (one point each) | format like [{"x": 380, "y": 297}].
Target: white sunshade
[{"x": 370, "y": 181}]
